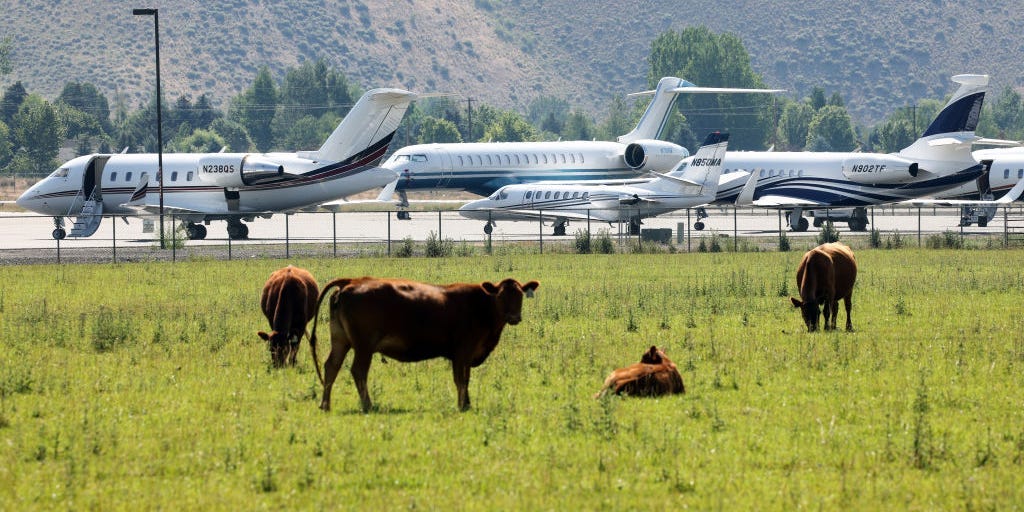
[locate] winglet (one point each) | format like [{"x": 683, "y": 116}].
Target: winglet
[
  {"x": 1013, "y": 194},
  {"x": 746, "y": 195}
]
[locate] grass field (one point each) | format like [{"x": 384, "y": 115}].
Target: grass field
[{"x": 144, "y": 386}]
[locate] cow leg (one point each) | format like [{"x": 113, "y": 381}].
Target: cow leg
[
  {"x": 460, "y": 371},
  {"x": 339, "y": 349},
  {"x": 360, "y": 369},
  {"x": 849, "y": 323}
]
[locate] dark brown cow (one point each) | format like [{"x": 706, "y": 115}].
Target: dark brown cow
[
  {"x": 826, "y": 274},
  {"x": 289, "y": 303},
  {"x": 654, "y": 375},
  {"x": 410, "y": 321}
]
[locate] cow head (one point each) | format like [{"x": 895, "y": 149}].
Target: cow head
[
  {"x": 653, "y": 356},
  {"x": 281, "y": 350},
  {"x": 509, "y": 295},
  {"x": 810, "y": 311}
]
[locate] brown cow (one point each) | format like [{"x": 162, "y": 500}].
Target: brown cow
[
  {"x": 410, "y": 321},
  {"x": 289, "y": 303},
  {"x": 826, "y": 274},
  {"x": 654, "y": 375}
]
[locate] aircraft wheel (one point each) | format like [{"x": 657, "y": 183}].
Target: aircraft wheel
[
  {"x": 699, "y": 226},
  {"x": 402, "y": 215},
  {"x": 802, "y": 225},
  {"x": 59, "y": 234},
  {"x": 488, "y": 228},
  {"x": 195, "y": 231},
  {"x": 857, "y": 225},
  {"x": 560, "y": 230},
  {"x": 817, "y": 222},
  {"x": 982, "y": 222},
  {"x": 238, "y": 231}
]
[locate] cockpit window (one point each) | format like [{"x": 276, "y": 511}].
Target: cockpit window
[
  {"x": 419, "y": 158},
  {"x": 60, "y": 173},
  {"x": 400, "y": 158}
]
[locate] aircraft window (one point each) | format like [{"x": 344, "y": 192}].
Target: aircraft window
[
  {"x": 800, "y": 172},
  {"x": 517, "y": 159},
  {"x": 563, "y": 158},
  {"x": 545, "y": 158},
  {"x": 419, "y": 158},
  {"x": 791, "y": 173},
  {"x": 489, "y": 160},
  {"x": 1020, "y": 173},
  {"x": 572, "y": 158},
  {"x": 174, "y": 176},
  {"x": 581, "y": 158},
  {"x": 479, "y": 160},
  {"x": 128, "y": 176},
  {"x": 554, "y": 159},
  {"x": 502, "y": 195},
  {"x": 529, "y": 194},
  {"x": 188, "y": 177},
  {"x": 508, "y": 160},
  {"x": 1006, "y": 174},
  {"x": 575, "y": 195},
  {"x": 547, "y": 195},
  {"x": 60, "y": 173},
  {"x": 585, "y": 194},
  {"x": 762, "y": 173},
  {"x": 557, "y": 194},
  {"x": 113, "y": 176},
  {"x": 497, "y": 159},
  {"x": 461, "y": 163},
  {"x": 401, "y": 158},
  {"x": 535, "y": 160},
  {"x": 494, "y": 196}
]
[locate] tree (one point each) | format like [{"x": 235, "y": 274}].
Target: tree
[
  {"x": 85, "y": 98},
  {"x": 483, "y": 116},
  {"x": 254, "y": 109},
  {"x": 793, "y": 123},
  {"x": 199, "y": 141},
  {"x": 618, "y": 122},
  {"x": 831, "y": 130},
  {"x": 714, "y": 60},
  {"x": 38, "y": 133},
  {"x": 5, "y": 145},
  {"x": 1007, "y": 115},
  {"x": 578, "y": 126},
  {"x": 234, "y": 135},
  {"x": 894, "y": 134},
  {"x": 510, "y": 127},
  {"x": 817, "y": 98},
  {"x": 437, "y": 130},
  {"x": 11, "y": 101}
]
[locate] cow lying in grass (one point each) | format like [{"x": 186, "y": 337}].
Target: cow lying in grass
[
  {"x": 409, "y": 321},
  {"x": 654, "y": 375}
]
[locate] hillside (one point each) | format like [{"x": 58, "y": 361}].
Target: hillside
[{"x": 879, "y": 55}]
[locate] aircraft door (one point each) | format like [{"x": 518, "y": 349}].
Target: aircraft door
[
  {"x": 444, "y": 168},
  {"x": 92, "y": 178}
]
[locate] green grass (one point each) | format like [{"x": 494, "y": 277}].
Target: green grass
[{"x": 144, "y": 385}]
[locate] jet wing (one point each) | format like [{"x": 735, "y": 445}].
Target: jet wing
[
  {"x": 534, "y": 215},
  {"x": 784, "y": 202},
  {"x": 1011, "y": 195}
]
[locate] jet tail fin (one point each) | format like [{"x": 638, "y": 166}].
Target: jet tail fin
[
  {"x": 369, "y": 125},
  {"x": 698, "y": 174},
  {"x": 653, "y": 121},
  {"x": 952, "y": 130}
]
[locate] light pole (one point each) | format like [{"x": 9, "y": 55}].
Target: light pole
[{"x": 155, "y": 13}]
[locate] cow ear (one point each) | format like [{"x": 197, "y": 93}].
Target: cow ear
[
  {"x": 489, "y": 287},
  {"x": 530, "y": 287},
  {"x": 796, "y": 302},
  {"x": 264, "y": 336}
]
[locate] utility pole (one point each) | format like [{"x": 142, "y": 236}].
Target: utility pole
[{"x": 469, "y": 115}]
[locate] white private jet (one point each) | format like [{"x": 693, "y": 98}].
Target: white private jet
[
  {"x": 693, "y": 182},
  {"x": 202, "y": 187},
  {"x": 940, "y": 160},
  {"x": 980, "y": 199},
  {"x": 483, "y": 167}
]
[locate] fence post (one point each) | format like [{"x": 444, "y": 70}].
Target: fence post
[
  {"x": 540, "y": 222},
  {"x": 58, "y": 250},
  {"x": 388, "y": 215},
  {"x": 113, "y": 220},
  {"x": 687, "y": 230},
  {"x": 439, "y": 225},
  {"x": 287, "y": 238},
  {"x": 919, "y": 227},
  {"x": 735, "y": 230},
  {"x": 334, "y": 231},
  {"x": 174, "y": 242},
  {"x": 1006, "y": 232}
]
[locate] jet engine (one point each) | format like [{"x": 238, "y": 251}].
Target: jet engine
[
  {"x": 236, "y": 170},
  {"x": 880, "y": 169},
  {"x": 653, "y": 155}
]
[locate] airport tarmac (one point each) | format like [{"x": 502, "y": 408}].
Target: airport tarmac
[{"x": 27, "y": 237}]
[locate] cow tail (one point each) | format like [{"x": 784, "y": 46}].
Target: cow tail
[{"x": 340, "y": 283}]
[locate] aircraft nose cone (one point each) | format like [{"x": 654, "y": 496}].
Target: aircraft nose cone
[{"x": 24, "y": 200}]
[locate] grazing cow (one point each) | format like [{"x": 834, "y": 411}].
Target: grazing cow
[
  {"x": 654, "y": 375},
  {"x": 409, "y": 321},
  {"x": 825, "y": 275},
  {"x": 289, "y": 303}
]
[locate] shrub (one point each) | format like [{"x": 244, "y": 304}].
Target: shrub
[
  {"x": 604, "y": 243},
  {"x": 583, "y": 245},
  {"x": 406, "y": 249},
  {"x": 828, "y": 233},
  {"x": 437, "y": 248}
]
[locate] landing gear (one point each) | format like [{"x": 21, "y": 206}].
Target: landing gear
[
  {"x": 237, "y": 230},
  {"x": 402, "y": 215},
  {"x": 58, "y": 229},
  {"x": 797, "y": 222},
  {"x": 634, "y": 226},
  {"x": 403, "y": 202},
  {"x": 195, "y": 231},
  {"x": 560, "y": 229},
  {"x": 701, "y": 215},
  {"x": 488, "y": 228}
]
